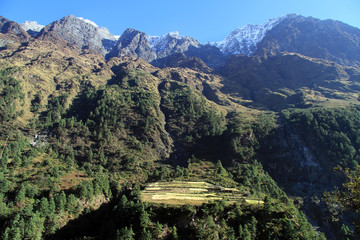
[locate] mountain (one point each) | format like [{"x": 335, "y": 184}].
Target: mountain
[
  {"x": 11, "y": 32},
  {"x": 133, "y": 43},
  {"x": 171, "y": 43},
  {"x": 32, "y": 28},
  {"x": 330, "y": 40},
  {"x": 81, "y": 32},
  {"x": 244, "y": 40},
  {"x": 289, "y": 79},
  {"x": 108, "y": 40},
  {"x": 97, "y": 135},
  {"x": 327, "y": 39}
]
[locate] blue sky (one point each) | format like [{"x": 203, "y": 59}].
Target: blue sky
[{"x": 209, "y": 20}]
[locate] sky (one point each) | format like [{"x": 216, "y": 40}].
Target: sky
[{"x": 204, "y": 20}]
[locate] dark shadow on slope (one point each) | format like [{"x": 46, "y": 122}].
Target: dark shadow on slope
[{"x": 86, "y": 226}]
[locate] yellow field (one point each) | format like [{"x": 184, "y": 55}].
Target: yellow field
[{"x": 195, "y": 193}]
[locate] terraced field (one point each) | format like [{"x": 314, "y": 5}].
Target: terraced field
[{"x": 195, "y": 193}]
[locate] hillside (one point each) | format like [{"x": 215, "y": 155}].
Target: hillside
[{"x": 111, "y": 142}]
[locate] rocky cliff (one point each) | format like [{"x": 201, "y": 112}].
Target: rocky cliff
[{"x": 133, "y": 43}]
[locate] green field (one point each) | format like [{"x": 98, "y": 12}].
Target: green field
[{"x": 195, "y": 193}]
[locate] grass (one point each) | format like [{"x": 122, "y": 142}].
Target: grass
[{"x": 194, "y": 193}]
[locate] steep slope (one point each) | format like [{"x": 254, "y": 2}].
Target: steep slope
[
  {"x": 244, "y": 40},
  {"x": 133, "y": 43},
  {"x": 81, "y": 136},
  {"x": 11, "y": 32},
  {"x": 32, "y": 28},
  {"x": 77, "y": 31},
  {"x": 327, "y": 39},
  {"x": 108, "y": 40},
  {"x": 171, "y": 43},
  {"x": 287, "y": 80}
]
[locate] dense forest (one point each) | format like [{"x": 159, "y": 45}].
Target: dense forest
[{"x": 82, "y": 173}]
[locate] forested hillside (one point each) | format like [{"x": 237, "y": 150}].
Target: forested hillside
[{"x": 245, "y": 151}]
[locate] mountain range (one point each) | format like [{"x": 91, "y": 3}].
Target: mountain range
[
  {"x": 89, "y": 119},
  {"x": 289, "y": 33}
]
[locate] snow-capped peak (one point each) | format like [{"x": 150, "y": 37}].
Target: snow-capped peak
[
  {"x": 32, "y": 25},
  {"x": 88, "y": 21},
  {"x": 102, "y": 31},
  {"x": 171, "y": 43},
  {"x": 244, "y": 40}
]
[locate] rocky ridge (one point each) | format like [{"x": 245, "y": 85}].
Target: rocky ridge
[
  {"x": 11, "y": 32},
  {"x": 32, "y": 28},
  {"x": 171, "y": 43},
  {"x": 244, "y": 40},
  {"x": 327, "y": 39},
  {"x": 135, "y": 43}
]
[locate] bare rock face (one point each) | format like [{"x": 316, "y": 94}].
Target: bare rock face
[
  {"x": 171, "y": 43},
  {"x": 32, "y": 28},
  {"x": 327, "y": 39},
  {"x": 11, "y": 32},
  {"x": 133, "y": 43},
  {"x": 76, "y": 31}
]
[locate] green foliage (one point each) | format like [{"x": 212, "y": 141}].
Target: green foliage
[
  {"x": 347, "y": 198},
  {"x": 190, "y": 116},
  {"x": 11, "y": 95},
  {"x": 116, "y": 135},
  {"x": 332, "y": 132}
]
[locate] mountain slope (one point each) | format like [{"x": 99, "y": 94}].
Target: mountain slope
[
  {"x": 32, "y": 28},
  {"x": 244, "y": 40},
  {"x": 82, "y": 135},
  {"x": 81, "y": 32},
  {"x": 11, "y": 32},
  {"x": 171, "y": 43},
  {"x": 327, "y": 39},
  {"x": 133, "y": 43},
  {"x": 289, "y": 80}
]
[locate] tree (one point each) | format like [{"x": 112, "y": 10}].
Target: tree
[
  {"x": 44, "y": 207},
  {"x": 125, "y": 234},
  {"x": 220, "y": 170},
  {"x": 60, "y": 201},
  {"x": 349, "y": 197},
  {"x": 90, "y": 155}
]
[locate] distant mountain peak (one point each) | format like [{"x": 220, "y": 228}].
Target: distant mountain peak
[
  {"x": 135, "y": 43},
  {"x": 244, "y": 40},
  {"x": 32, "y": 27},
  {"x": 170, "y": 43}
]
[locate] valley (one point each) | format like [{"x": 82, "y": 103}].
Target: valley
[{"x": 163, "y": 137}]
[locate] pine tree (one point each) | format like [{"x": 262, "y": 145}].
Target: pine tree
[{"x": 125, "y": 234}]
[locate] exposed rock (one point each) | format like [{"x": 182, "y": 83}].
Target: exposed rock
[
  {"x": 76, "y": 31},
  {"x": 244, "y": 40},
  {"x": 11, "y": 32},
  {"x": 171, "y": 43},
  {"x": 328, "y": 39},
  {"x": 133, "y": 43},
  {"x": 32, "y": 28}
]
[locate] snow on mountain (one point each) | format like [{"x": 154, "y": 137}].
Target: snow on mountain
[
  {"x": 244, "y": 40},
  {"x": 104, "y": 32},
  {"x": 88, "y": 21},
  {"x": 170, "y": 43},
  {"x": 32, "y": 27}
]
